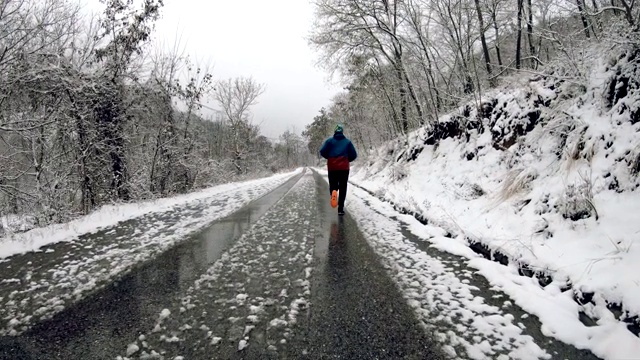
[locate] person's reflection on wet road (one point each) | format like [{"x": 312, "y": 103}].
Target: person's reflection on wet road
[{"x": 357, "y": 312}]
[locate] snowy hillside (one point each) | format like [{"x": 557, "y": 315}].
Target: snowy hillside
[{"x": 543, "y": 176}]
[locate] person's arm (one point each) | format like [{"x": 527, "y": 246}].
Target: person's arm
[
  {"x": 351, "y": 152},
  {"x": 324, "y": 150}
]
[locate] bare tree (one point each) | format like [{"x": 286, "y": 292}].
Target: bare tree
[
  {"x": 369, "y": 29},
  {"x": 415, "y": 18},
  {"x": 86, "y": 117},
  {"x": 493, "y": 13},
  {"x": 34, "y": 112},
  {"x": 199, "y": 85},
  {"x": 235, "y": 97}
]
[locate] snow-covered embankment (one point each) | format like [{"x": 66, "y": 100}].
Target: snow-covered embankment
[{"x": 544, "y": 176}]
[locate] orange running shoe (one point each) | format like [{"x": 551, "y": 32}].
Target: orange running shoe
[{"x": 334, "y": 198}]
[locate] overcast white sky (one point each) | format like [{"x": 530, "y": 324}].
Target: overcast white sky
[{"x": 259, "y": 38}]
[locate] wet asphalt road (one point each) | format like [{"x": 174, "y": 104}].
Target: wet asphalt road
[
  {"x": 102, "y": 324},
  {"x": 34, "y": 286},
  {"x": 358, "y": 312},
  {"x": 355, "y": 310},
  {"x": 283, "y": 278}
]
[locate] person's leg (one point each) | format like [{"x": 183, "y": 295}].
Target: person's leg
[
  {"x": 333, "y": 181},
  {"x": 342, "y": 192}
]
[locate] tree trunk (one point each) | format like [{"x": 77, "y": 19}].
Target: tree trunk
[
  {"x": 583, "y": 17},
  {"x": 628, "y": 12},
  {"x": 615, "y": 11},
  {"x": 532, "y": 49},
  {"x": 412, "y": 93},
  {"x": 485, "y": 49},
  {"x": 431, "y": 82},
  {"x": 468, "y": 85},
  {"x": 597, "y": 19},
  {"x": 519, "y": 35},
  {"x": 433, "y": 91},
  {"x": 434, "y": 94},
  {"x": 87, "y": 195},
  {"x": 497, "y": 40},
  {"x": 404, "y": 125},
  {"x": 110, "y": 120},
  {"x": 188, "y": 146},
  {"x": 394, "y": 113}
]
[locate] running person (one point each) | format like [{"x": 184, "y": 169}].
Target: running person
[{"x": 339, "y": 152}]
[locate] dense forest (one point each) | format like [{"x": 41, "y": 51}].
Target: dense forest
[
  {"x": 93, "y": 111},
  {"x": 405, "y": 63}
]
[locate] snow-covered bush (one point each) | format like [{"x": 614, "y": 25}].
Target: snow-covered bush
[
  {"x": 14, "y": 224},
  {"x": 469, "y": 190},
  {"x": 577, "y": 201},
  {"x": 399, "y": 171}
]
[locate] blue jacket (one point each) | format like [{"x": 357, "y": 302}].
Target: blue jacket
[{"x": 339, "y": 152}]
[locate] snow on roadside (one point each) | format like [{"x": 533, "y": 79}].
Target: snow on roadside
[
  {"x": 110, "y": 215},
  {"x": 557, "y": 311},
  {"x": 445, "y": 304},
  {"x": 555, "y": 308}
]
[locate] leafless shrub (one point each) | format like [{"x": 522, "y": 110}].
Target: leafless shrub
[
  {"x": 399, "y": 171},
  {"x": 577, "y": 201}
]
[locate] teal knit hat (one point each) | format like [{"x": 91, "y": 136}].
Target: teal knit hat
[{"x": 338, "y": 128}]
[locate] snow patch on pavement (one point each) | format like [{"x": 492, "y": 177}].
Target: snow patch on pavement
[
  {"x": 257, "y": 294},
  {"x": 443, "y": 303}
]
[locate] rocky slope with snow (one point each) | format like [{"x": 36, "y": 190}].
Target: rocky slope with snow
[{"x": 541, "y": 174}]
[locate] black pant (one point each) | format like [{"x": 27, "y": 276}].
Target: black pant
[{"x": 338, "y": 180}]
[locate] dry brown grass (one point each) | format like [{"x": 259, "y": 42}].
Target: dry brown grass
[{"x": 515, "y": 182}]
